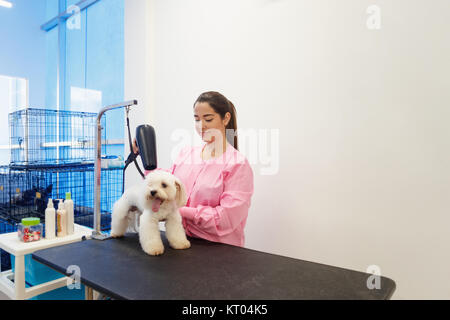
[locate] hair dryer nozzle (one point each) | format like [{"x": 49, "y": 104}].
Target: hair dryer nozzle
[{"x": 146, "y": 141}]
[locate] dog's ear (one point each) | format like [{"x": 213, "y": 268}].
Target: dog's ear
[{"x": 181, "y": 197}]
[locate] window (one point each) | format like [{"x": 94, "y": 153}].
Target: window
[
  {"x": 13, "y": 96},
  {"x": 85, "y": 58}
]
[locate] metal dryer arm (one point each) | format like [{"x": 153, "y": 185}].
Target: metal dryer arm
[{"x": 97, "y": 233}]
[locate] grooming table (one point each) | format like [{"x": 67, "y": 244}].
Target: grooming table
[{"x": 120, "y": 269}]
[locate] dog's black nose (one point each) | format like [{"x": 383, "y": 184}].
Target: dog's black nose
[{"x": 153, "y": 192}]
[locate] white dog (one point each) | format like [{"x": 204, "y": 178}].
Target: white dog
[{"x": 157, "y": 198}]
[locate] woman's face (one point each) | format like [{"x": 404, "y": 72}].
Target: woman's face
[{"x": 208, "y": 123}]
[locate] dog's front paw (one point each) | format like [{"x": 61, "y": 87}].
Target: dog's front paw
[
  {"x": 181, "y": 244},
  {"x": 155, "y": 249},
  {"x": 116, "y": 235}
]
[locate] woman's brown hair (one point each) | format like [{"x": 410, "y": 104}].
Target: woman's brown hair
[{"x": 222, "y": 105}]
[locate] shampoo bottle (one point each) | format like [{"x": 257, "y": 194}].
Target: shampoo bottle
[
  {"x": 61, "y": 220},
  {"x": 68, "y": 205},
  {"x": 50, "y": 216}
]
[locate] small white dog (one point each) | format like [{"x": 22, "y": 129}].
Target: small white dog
[{"x": 157, "y": 198}]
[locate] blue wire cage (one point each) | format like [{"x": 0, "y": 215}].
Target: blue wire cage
[
  {"x": 39, "y": 136},
  {"x": 25, "y": 191},
  {"x": 28, "y": 188}
]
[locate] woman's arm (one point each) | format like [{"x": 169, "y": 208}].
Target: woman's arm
[{"x": 234, "y": 203}]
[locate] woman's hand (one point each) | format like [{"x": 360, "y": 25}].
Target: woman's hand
[{"x": 135, "y": 147}]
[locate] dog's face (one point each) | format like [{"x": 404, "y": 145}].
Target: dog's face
[{"x": 163, "y": 186}]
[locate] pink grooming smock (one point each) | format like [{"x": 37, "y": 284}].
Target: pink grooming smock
[{"x": 219, "y": 192}]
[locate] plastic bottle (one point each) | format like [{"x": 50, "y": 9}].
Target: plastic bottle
[
  {"x": 61, "y": 215},
  {"x": 68, "y": 205},
  {"x": 50, "y": 216}
]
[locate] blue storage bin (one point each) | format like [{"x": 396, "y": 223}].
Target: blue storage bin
[
  {"x": 61, "y": 294},
  {"x": 37, "y": 273}
]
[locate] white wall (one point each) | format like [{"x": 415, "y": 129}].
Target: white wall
[{"x": 362, "y": 116}]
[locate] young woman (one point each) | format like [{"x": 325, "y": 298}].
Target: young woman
[{"x": 218, "y": 179}]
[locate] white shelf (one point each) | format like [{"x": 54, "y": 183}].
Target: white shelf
[{"x": 10, "y": 241}]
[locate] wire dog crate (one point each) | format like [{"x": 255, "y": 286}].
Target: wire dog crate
[
  {"x": 4, "y": 191},
  {"x": 28, "y": 189},
  {"x": 40, "y": 136},
  {"x": 6, "y": 226},
  {"x": 6, "y": 223},
  {"x": 25, "y": 190}
]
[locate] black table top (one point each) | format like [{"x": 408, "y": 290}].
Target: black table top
[{"x": 120, "y": 269}]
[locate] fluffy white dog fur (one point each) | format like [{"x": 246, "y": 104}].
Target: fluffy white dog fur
[{"x": 138, "y": 202}]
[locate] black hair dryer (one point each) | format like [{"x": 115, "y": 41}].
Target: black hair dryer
[{"x": 146, "y": 141}]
